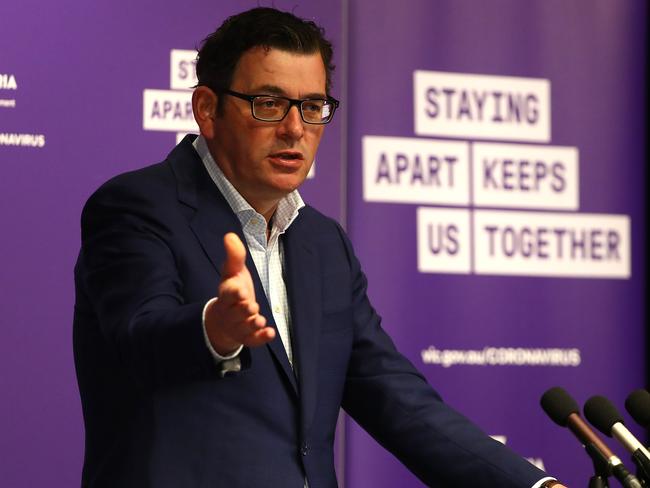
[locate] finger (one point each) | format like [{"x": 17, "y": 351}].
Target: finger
[
  {"x": 260, "y": 337},
  {"x": 232, "y": 291},
  {"x": 246, "y": 331},
  {"x": 256, "y": 321},
  {"x": 252, "y": 308},
  {"x": 260, "y": 321},
  {"x": 235, "y": 255},
  {"x": 239, "y": 317}
]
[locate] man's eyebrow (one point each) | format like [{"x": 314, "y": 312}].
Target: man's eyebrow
[
  {"x": 276, "y": 90},
  {"x": 270, "y": 89}
]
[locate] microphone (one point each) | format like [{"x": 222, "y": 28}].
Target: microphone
[
  {"x": 563, "y": 410},
  {"x": 638, "y": 406},
  {"x": 605, "y": 417}
]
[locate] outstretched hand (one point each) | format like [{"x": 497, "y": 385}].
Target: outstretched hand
[{"x": 234, "y": 320}]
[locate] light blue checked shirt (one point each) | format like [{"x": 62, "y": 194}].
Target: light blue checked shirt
[{"x": 268, "y": 255}]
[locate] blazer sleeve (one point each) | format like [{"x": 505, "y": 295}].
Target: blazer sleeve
[
  {"x": 127, "y": 276},
  {"x": 408, "y": 417}
]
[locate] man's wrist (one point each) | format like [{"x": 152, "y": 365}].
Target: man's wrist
[
  {"x": 218, "y": 357},
  {"x": 550, "y": 483},
  {"x": 545, "y": 482}
]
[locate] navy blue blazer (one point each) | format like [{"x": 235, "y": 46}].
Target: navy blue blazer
[{"x": 156, "y": 411}]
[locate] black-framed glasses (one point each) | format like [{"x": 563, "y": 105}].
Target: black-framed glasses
[{"x": 272, "y": 108}]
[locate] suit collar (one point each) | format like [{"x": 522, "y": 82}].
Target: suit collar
[
  {"x": 212, "y": 217},
  {"x": 285, "y": 213}
]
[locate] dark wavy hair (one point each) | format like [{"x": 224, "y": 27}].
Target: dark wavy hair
[{"x": 262, "y": 26}]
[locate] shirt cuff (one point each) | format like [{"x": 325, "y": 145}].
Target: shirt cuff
[
  {"x": 543, "y": 480},
  {"x": 218, "y": 358}
]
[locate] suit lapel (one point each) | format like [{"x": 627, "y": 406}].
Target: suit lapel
[
  {"x": 212, "y": 218},
  {"x": 210, "y": 215},
  {"x": 303, "y": 289}
]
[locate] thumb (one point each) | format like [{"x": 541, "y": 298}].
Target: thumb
[{"x": 235, "y": 255}]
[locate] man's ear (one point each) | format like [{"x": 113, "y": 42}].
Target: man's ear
[{"x": 204, "y": 106}]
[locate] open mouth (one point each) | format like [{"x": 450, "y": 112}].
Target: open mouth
[{"x": 287, "y": 155}]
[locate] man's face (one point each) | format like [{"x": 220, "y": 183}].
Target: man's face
[{"x": 267, "y": 160}]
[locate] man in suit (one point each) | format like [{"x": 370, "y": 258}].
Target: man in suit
[{"x": 220, "y": 323}]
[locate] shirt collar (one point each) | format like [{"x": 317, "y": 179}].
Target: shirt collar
[{"x": 288, "y": 207}]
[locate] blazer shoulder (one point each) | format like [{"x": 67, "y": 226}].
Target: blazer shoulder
[
  {"x": 140, "y": 181},
  {"x": 182, "y": 168}
]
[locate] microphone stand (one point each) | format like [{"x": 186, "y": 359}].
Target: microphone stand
[
  {"x": 601, "y": 467},
  {"x": 642, "y": 467}
]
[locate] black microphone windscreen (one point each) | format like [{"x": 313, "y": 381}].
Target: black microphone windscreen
[
  {"x": 638, "y": 406},
  {"x": 559, "y": 405},
  {"x": 602, "y": 414}
]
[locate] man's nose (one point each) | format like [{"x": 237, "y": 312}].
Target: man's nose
[{"x": 292, "y": 126}]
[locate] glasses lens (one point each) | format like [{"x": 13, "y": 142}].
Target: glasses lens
[
  {"x": 270, "y": 108},
  {"x": 316, "y": 111},
  {"x": 273, "y": 109}
]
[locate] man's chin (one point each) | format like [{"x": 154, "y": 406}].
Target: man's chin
[{"x": 287, "y": 183}]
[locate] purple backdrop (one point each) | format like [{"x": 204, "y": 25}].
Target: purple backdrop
[
  {"x": 591, "y": 53},
  {"x": 80, "y": 70},
  {"x": 72, "y": 82}
]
